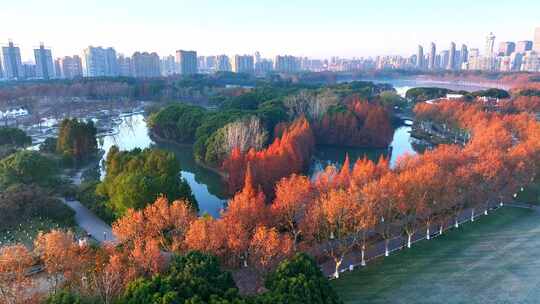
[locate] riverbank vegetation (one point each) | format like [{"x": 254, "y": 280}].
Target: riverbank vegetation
[{"x": 135, "y": 178}]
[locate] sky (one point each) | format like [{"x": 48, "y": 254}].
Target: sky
[{"x": 313, "y": 28}]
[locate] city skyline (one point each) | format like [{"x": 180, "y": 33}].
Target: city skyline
[{"x": 303, "y": 28}]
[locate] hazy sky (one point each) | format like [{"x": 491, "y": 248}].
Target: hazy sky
[{"x": 312, "y": 28}]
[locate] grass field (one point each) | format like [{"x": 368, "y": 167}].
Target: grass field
[
  {"x": 27, "y": 231},
  {"x": 496, "y": 259}
]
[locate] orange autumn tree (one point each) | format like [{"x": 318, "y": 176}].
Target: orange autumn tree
[
  {"x": 207, "y": 234},
  {"x": 359, "y": 124},
  {"x": 268, "y": 248},
  {"x": 293, "y": 194},
  {"x": 14, "y": 263},
  {"x": 290, "y": 153},
  {"x": 163, "y": 222},
  {"x": 245, "y": 211},
  {"x": 60, "y": 255},
  {"x": 332, "y": 225}
]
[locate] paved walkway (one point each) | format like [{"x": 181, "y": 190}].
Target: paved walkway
[{"x": 88, "y": 221}]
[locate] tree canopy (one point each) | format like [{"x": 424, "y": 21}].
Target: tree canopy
[{"x": 136, "y": 178}]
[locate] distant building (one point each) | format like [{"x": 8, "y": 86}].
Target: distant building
[
  {"x": 286, "y": 64},
  {"x": 11, "y": 61},
  {"x": 452, "y": 57},
  {"x": 464, "y": 56},
  {"x": 100, "y": 62},
  {"x": 57, "y": 68},
  {"x": 263, "y": 67},
  {"x": 536, "y": 46},
  {"x": 524, "y": 46},
  {"x": 531, "y": 62},
  {"x": 125, "y": 66},
  {"x": 211, "y": 63},
  {"x": 187, "y": 62},
  {"x": 70, "y": 67},
  {"x": 243, "y": 64},
  {"x": 445, "y": 59},
  {"x": 432, "y": 56},
  {"x": 490, "y": 44},
  {"x": 420, "y": 58},
  {"x": 28, "y": 70},
  {"x": 168, "y": 66},
  {"x": 146, "y": 65},
  {"x": 223, "y": 64},
  {"x": 44, "y": 63},
  {"x": 506, "y": 48}
]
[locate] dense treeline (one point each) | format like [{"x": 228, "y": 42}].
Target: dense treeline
[
  {"x": 186, "y": 87},
  {"x": 134, "y": 178},
  {"x": 360, "y": 124},
  {"x": 430, "y": 93}
]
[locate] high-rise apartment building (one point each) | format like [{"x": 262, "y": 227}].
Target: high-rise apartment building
[
  {"x": 125, "y": 66},
  {"x": 464, "y": 55},
  {"x": 490, "y": 44},
  {"x": 168, "y": 66},
  {"x": 286, "y": 64},
  {"x": 536, "y": 46},
  {"x": 445, "y": 59},
  {"x": 186, "y": 62},
  {"x": 70, "y": 67},
  {"x": 146, "y": 65},
  {"x": 223, "y": 64},
  {"x": 263, "y": 67},
  {"x": 452, "y": 57},
  {"x": 44, "y": 63},
  {"x": 432, "y": 55},
  {"x": 100, "y": 62},
  {"x": 524, "y": 46},
  {"x": 243, "y": 64},
  {"x": 11, "y": 61},
  {"x": 506, "y": 48},
  {"x": 420, "y": 58}
]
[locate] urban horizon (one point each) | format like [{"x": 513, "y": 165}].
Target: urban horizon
[{"x": 503, "y": 56}]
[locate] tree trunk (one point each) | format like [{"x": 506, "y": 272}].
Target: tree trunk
[
  {"x": 338, "y": 263},
  {"x": 386, "y": 252},
  {"x": 409, "y": 236},
  {"x": 472, "y": 215},
  {"x": 428, "y": 235},
  {"x": 363, "y": 262},
  {"x": 440, "y": 229},
  {"x": 486, "y": 212},
  {"x": 456, "y": 223}
]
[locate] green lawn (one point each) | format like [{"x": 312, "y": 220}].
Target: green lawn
[
  {"x": 496, "y": 259},
  {"x": 27, "y": 231}
]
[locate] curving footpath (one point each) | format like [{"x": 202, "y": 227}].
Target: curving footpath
[{"x": 88, "y": 221}]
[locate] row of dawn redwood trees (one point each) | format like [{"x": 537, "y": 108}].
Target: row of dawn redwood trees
[{"x": 331, "y": 215}]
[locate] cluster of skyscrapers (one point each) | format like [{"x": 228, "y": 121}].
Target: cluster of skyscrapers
[
  {"x": 509, "y": 56},
  {"x": 105, "y": 62}
]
